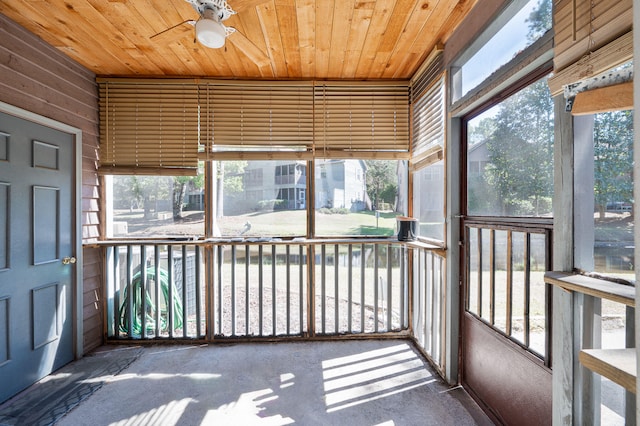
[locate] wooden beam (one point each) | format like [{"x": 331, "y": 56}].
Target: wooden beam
[{"x": 611, "y": 98}]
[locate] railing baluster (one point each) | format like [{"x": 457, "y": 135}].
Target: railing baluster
[
  {"x": 233, "y": 289},
  {"x": 527, "y": 288},
  {"x": 362, "y": 288},
  {"x": 428, "y": 294},
  {"x": 170, "y": 295},
  {"x": 436, "y": 330},
  {"x": 479, "y": 269},
  {"x": 117, "y": 288},
  {"x": 389, "y": 287},
  {"x": 247, "y": 262},
  {"x": 301, "y": 289},
  {"x": 492, "y": 276},
  {"x": 288, "y": 283},
  {"x": 198, "y": 289},
  {"x": 143, "y": 290},
  {"x": 424, "y": 297},
  {"x": 129, "y": 293},
  {"x": 323, "y": 283},
  {"x": 336, "y": 288},
  {"x": 350, "y": 288},
  {"x": 420, "y": 273},
  {"x": 404, "y": 287},
  {"x": 185, "y": 303},
  {"x": 220, "y": 283},
  {"x": 157, "y": 281},
  {"x": 376, "y": 283},
  {"x": 109, "y": 291},
  {"x": 434, "y": 304},
  {"x": 210, "y": 265},
  {"x": 311, "y": 291},
  {"x": 260, "y": 287},
  {"x": 509, "y": 313},
  {"x": 273, "y": 289}
]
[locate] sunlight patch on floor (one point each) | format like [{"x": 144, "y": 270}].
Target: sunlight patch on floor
[
  {"x": 367, "y": 376},
  {"x": 165, "y": 415},
  {"x": 246, "y": 411},
  {"x": 152, "y": 376}
]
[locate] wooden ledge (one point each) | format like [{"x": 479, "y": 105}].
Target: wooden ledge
[
  {"x": 603, "y": 289},
  {"x": 617, "y": 365}
]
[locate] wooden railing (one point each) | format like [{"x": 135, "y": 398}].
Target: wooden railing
[
  {"x": 617, "y": 365},
  {"x": 246, "y": 289},
  {"x": 505, "y": 265},
  {"x": 428, "y": 294}
]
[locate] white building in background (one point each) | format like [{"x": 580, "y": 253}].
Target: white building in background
[{"x": 341, "y": 184}]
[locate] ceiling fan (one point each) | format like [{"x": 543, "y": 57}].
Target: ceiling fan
[{"x": 211, "y": 32}]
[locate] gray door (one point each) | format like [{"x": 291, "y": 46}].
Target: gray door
[{"x": 36, "y": 231}]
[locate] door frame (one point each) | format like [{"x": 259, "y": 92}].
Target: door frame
[{"x": 76, "y": 234}]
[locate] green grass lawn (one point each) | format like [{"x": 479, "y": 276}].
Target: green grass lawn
[
  {"x": 293, "y": 223},
  {"x": 286, "y": 223}
]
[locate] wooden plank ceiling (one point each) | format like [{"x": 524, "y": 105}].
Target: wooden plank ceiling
[{"x": 276, "y": 39}]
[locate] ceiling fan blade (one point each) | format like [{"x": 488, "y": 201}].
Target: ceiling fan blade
[
  {"x": 174, "y": 33},
  {"x": 247, "y": 47},
  {"x": 240, "y": 5}
]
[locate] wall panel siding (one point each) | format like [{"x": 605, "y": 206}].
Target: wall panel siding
[
  {"x": 92, "y": 298},
  {"x": 38, "y": 78}
]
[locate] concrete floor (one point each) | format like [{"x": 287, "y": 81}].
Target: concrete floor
[{"x": 364, "y": 382}]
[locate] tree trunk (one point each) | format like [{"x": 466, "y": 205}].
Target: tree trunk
[
  {"x": 147, "y": 207},
  {"x": 179, "y": 191}
]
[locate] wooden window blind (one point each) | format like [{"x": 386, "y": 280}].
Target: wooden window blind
[
  {"x": 591, "y": 37},
  {"x": 149, "y": 128},
  {"x": 261, "y": 120},
  {"x": 164, "y": 126},
  {"x": 362, "y": 120},
  {"x": 428, "y": 115}
]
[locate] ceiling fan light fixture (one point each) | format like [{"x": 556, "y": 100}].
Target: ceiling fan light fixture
[{"x": 210, "y": 33}]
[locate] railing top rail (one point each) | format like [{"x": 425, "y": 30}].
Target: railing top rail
[
  {"x": 596, "y": 287},
  {"x": 531, "y": 224},
  {"x": 261, "y": 241}
]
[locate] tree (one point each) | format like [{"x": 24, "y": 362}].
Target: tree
[
  {"x": 540, "y": 20},
  {"x": 143, "y": 191},
  {"x": 613, "y": 158},
  {"x": 482, "y": 131},
  {"x": 521, "y": 152},
  {"x": 380, "y": 175},
  {"x": 180, "y": 186}
]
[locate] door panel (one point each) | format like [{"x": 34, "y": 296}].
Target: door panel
[
  {"x": 505, "y": 318},
  {"x": 515, "y": 387},
  {"x": 36, "y": 223}
]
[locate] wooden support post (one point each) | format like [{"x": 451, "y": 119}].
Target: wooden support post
[
  {"x": 563, "y": 318},
  {"x": 454, "y": 252}
]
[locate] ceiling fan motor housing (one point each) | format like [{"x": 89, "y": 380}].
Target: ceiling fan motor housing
[{"x": 218, "y": 10}]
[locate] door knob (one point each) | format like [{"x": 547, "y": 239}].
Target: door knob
[{"x": 68, "y": 260}]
